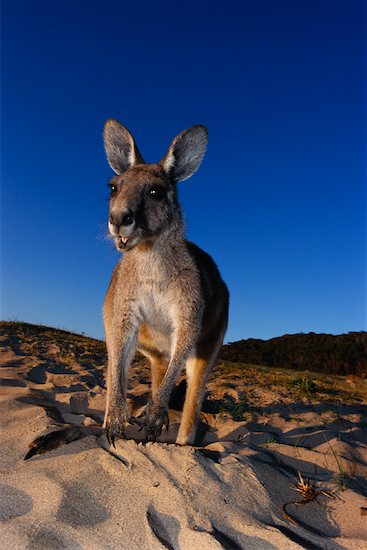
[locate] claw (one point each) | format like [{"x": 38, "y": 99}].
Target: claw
[
  {"x": 137, "y": 421},
  {"x": 152, "y": 420},
  {"x": 149, "y": 438},
  {"x": 140, "y": 420},
  {"x": 110, "y": 437},
  {"x": 116, "y": 422}
]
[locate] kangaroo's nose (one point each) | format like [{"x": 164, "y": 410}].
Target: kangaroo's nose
[{"x": 125, "y": 219}]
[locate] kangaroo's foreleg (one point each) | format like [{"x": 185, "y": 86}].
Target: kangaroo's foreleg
[
  {"x": 156, "y": 414},
  {"x": 121, "y": 339}
]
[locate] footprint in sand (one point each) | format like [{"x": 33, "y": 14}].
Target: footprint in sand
[
  {"x": 14, "y": 502},
  {"x": 80, "y": 507},
  {"x": 164, "y": 527},
  {"x": 37, "y": 374},
  {"x": 12, "y": 383},
  {"x": 50, "y": 538}
]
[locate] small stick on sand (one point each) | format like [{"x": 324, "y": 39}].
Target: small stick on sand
[{"x": 309, "y": 491}]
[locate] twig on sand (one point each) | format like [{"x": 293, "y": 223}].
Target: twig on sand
[
  {"x": 309, "y": 492},
  {"x": 55, "y": 439}
]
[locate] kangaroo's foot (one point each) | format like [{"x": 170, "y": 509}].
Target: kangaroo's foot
[
  {"x": 152, "y": 420},
  {"x": 116, "y": 421}
]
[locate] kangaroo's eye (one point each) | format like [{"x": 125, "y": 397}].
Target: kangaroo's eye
[
  {"x": 113, "y": 188},
  {"x": 157, "y": 192}
]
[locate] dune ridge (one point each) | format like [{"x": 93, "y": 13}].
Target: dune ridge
[{"x": 258, "y": 431}]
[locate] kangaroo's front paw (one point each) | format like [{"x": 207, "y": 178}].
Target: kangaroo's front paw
[
  {"x": 115, "y": 422},
  {"x": 152, "y": 420}
]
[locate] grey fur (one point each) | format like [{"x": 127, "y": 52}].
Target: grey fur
[
  {"x": 186, "y": 151},
  {"x": 121, "y": 148}
]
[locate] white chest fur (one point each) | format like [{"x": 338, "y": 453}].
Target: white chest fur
[{"x": 156, "y": 309}]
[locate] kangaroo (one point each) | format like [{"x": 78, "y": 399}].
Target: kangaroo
[{"x": 166, "y": 297}]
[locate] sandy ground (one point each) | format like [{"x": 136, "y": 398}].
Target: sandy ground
[{"x": 227, "y": 492}]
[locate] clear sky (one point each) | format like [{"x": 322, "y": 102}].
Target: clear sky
[{"x": 279, "y": 199}]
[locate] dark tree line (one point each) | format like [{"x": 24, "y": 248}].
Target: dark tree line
[{"x": 342, "y": 354}]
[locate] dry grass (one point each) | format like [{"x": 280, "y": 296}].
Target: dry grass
[
  {"x": 36, "y": 340},
  {"x": 257, "y": 390},
  {"x": 309, "y": 492},
  {"x": 260, "y": 390}
]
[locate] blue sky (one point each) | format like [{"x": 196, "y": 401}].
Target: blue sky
[{"x": 279, "y": 200}]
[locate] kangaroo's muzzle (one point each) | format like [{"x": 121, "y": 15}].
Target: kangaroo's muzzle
[{"x": 122, "y": 227}]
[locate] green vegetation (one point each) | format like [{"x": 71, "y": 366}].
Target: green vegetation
[
  {"x": 342, "y": 476},
  {"x": 272, "y": 439},
  {"x": 236, "y": 409},
  {"x": 259, "y": 387},
  {"x": 245, "y": 391},
  {"x": 305, "y": 385},
  {"x": 343, "y": 354}
]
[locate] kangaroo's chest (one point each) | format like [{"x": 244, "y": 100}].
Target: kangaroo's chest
[
  {"x": 155, "y": 308},
  {"x": 156, "y": 322}
]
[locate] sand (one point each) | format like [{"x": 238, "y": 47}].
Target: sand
[{"x": 229, "y": 491}]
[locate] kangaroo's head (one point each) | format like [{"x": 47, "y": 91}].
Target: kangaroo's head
[{"x": 143, "y": 200}]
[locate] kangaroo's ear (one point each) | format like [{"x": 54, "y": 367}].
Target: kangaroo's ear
[
  {"x": 185, "y": 153},
  {"x": 122, "y": 152}
]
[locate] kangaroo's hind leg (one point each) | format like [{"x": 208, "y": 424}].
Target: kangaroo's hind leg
[
  {"x": 198, "y": 368},
  {"x": 158, "y": 361},
  {"x": 159, "y": 367}
]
